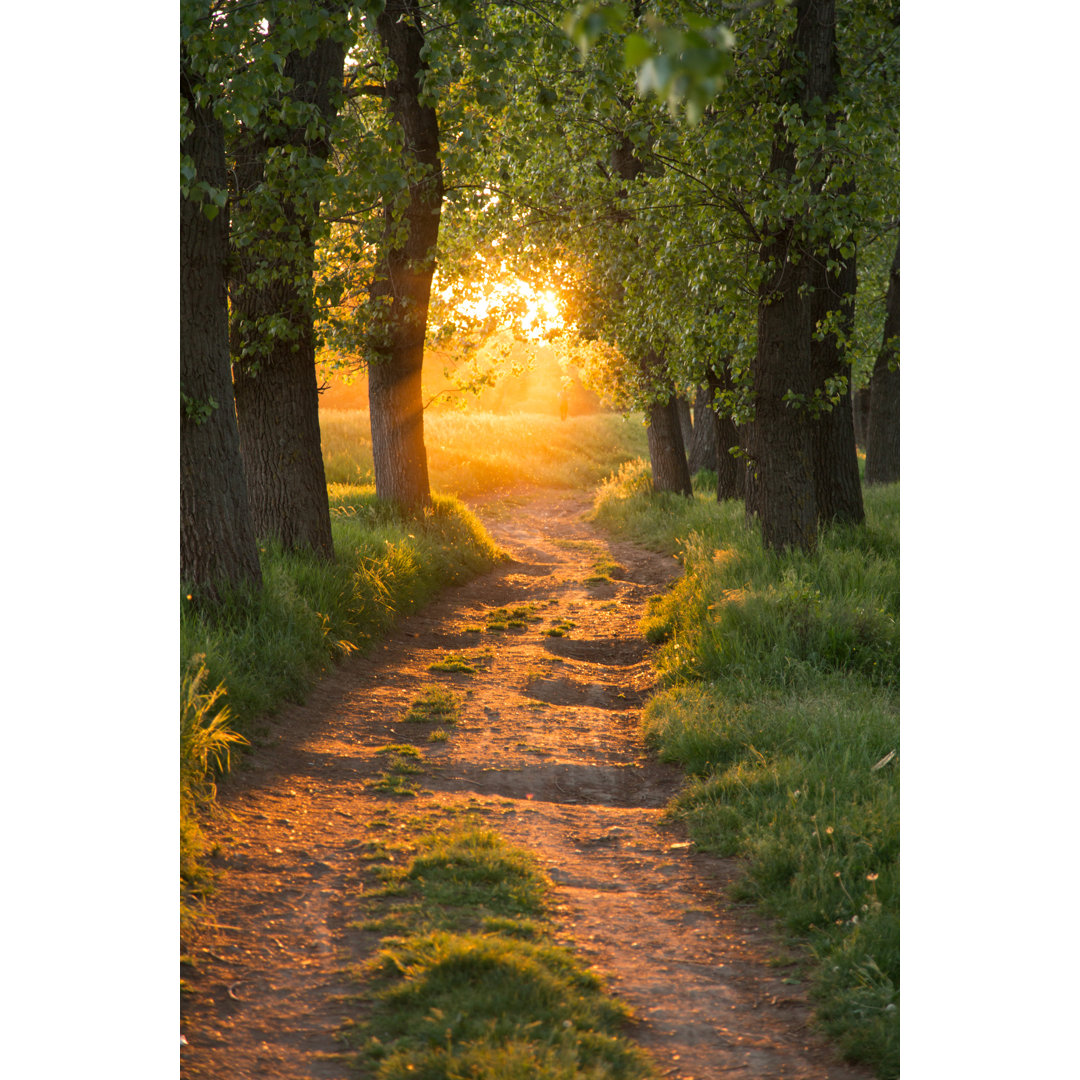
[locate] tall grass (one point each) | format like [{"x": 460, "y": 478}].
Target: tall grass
[
  {"x": 206, "y": 742},
  {"x": 782, "y": 704},
  {"x": 470, "y": 453}
]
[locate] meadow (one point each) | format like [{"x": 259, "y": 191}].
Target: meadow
[{"x": 475, "y": 453}]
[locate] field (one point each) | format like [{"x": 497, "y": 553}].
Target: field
[{"x": 477, "y": 453}]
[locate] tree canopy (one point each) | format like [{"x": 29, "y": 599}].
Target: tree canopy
[{"x": 672, "y": 171}]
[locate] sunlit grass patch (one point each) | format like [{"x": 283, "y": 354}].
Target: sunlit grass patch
[
  {"x": 435, "y": 706},
  {"x": 206, "y": 742},
  {"x": 516, "y": 618},
  {"x": 462, "y": 663},
  {"x": 269, "y": 647},
  {"x": 559, "y": 629},
  {"x": 605, "y": 571},
  {"x": 471, "y": 983},
  {"x": 403, "y": 762}
]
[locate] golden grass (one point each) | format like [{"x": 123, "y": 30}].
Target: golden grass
[{"x": 470, "y": 453}]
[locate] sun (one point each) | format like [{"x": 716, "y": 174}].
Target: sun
[{"x": 535, "y": 314}]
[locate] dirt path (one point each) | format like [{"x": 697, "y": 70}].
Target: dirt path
[{"x": 548, "y": 747}]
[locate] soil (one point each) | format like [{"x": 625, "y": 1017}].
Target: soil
[{"x": 549, "y": 749}]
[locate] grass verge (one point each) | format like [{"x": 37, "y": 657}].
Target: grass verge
[
  {"x": 782, "y": 705},
  {"x": 471, "y": 982},
  {"x": 261, "y": 650}
]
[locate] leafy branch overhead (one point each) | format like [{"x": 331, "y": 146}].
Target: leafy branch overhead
[{"x": 685, "y": 66}]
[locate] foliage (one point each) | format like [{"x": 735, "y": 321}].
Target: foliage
[
  {"x": 206, "y": 742},
  {"x": 782, "y": 706}
]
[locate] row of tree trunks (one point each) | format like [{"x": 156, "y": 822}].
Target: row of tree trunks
[
  {"x": 217, "y": 542},
  {"x": 277, "y": 400},
  {"x": 402, "y": 286},
  {"x": 883, "y": 434}
]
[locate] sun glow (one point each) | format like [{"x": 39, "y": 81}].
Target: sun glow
[{"x": 509, "y": 302}]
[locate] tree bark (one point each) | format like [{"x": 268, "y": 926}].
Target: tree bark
[
  {"x": 667, "y": 452},
  {"x": 277, "y": 400},
  {"x": 217, "y": 543},
  {"x": 702, "y": 452},
  {"x": 402, "y": 286},
  {"x": 836, "y": 466},
  {"x": 860, "y": 412},
  {"x": 730, "y": 470},
  {"x": 686, "y": 424},
  {"x": 780, "y": 445},
  {"x": 883, "y": 429}
]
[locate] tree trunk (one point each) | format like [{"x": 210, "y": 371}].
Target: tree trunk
[
  {"x": 780, "y": 445},
  {"x": 860, "y": 412},
  {"x": 666, "y": 452},
  {"x": 730, "y": 470},
  {"x": 686, "y": 424},
  {"x": 217, "y": 543},
  {"x": 836, "y": 466},
  {"x": 782, "y": 493},
  {"x": 402, "y": 283},
  {"x": 702, "y": 452},
  {"x": 883, "y": 434},
  {"x": 277, "y": 400}
]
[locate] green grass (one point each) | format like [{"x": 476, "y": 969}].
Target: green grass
[
  {"x": 462, "y": 663},
  {"x": 470, "y": 453},
  {"x": 781, "y": 703},
  {"x": 605, "y": 571},
  {"x": 403, "y": 762},
  {"x": 435, "y": 706},
  {"x": 470, "y": 981},
  {"x": 500, "y": 619},
  {"x": 206, "y": 742}
]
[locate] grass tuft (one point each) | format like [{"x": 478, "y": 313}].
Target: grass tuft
[
  {"x": 471, "y": 983},
  {"x": 435, "y": 706}
]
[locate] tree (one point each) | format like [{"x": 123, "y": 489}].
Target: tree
[
  {"x": 883, "y": 428},
  {"x": 703, "y": 445},
  {"x": 402, "y": 284},
  {"x": 217, "y": 542},
  {"x": 780, "y": 442},
  {"x": 730, "y": 470},
  {"x": 278, "y": 162},
  {"x": 832, "y": 434}
]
